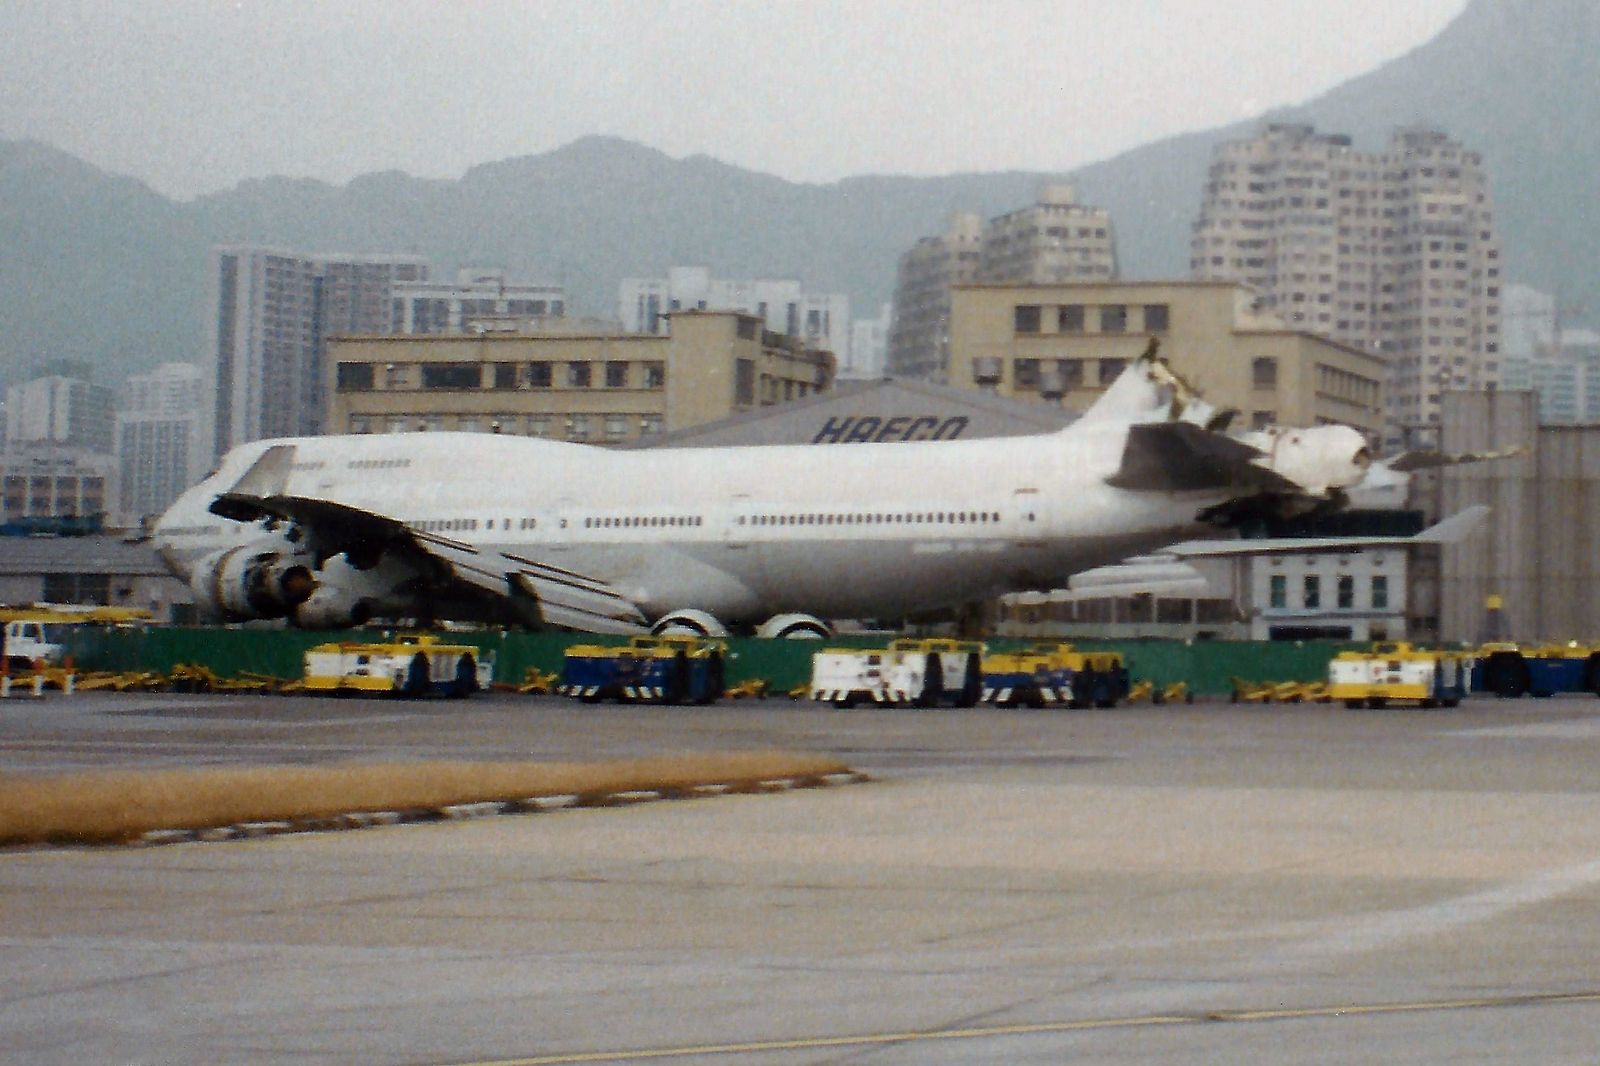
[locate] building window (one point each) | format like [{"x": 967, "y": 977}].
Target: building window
[
  {"x": 579, "y": 375},
  {"x": 578, "y": 427},
  {"x": 1071, "y": 372},
  {"x": 1311, "y": 598},
  {"x": 355, "y": 376},
  {"x": 616, "y": 375},
  {"x": 655, "y": 375},
  {"x": 1264, "y": 372},
  {"x": 1347, "y": 592},
  {"x": 1026, "y": 318},
  {"x": 1111, "y": 369},
  {"x": 1113, "y": 318},
  {"x": 1069, "y": 318},
  {"x": 1278, "y": 593},
  {"x": 360, "y": 424},
  {"x": 1156, "y": 317},
  {"x": 744, "y": 382},
  {"x": 1026, "y": 373},
  {"x": 1380, "y": 592},
  {"x": 538, "y": 425},
  {"x": 649, "y": 425},
  {"x": 505, "y": 375},
  {"x": 452, "y": 375},
  {"x": 539, "y": 376},
  {"x": 616, "y": 427}
]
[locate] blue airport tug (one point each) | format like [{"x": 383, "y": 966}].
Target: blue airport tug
[
  {"x": 664, "y": 670},
  {"x": 1513, "y": 670}
]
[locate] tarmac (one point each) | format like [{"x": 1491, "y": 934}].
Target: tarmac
[{"x": 1179, "y": 884}]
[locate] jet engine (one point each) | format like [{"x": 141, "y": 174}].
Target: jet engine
[
  {"x": 1317, "y": 460},
  {"x": 265, "y": 578},
  {"x": 332, "y": 607}
]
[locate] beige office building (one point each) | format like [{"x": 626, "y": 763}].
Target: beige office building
[
  {"x": 1394, "y": 252},
  {"x": 1066, "y": 343},
  {"x": 597, "y": 385}
]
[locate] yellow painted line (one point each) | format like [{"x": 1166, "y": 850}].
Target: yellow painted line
[{"x": 987, "y": 1032}]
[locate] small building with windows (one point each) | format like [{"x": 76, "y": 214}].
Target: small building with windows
[
  {"x": 1065, "y": 343},
  {"x": 586, "y": 383},
  {"x": 1279, "y": 589}
]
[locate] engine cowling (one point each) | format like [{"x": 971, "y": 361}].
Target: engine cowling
[
  {"x": 332, "y": 607},
  {"x": 1317, "y": 459},
  {"x": 265, "y": 578}
]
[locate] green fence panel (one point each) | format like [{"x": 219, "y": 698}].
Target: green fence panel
[{"x": 1208, "y": 667}]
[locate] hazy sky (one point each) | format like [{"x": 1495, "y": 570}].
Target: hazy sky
[{"x": 193, "y": 96}]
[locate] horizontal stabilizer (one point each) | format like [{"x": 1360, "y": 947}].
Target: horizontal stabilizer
[{"x": 1454, "y": 530}]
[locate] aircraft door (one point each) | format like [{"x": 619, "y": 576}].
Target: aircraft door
[
  {"x": 736, "y": 530},
  {"x": 565, "y": 523}
]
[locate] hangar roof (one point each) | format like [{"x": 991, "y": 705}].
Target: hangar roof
[
  {"x": 78, "y": 555},
  {"x": 886, "y": 409}
]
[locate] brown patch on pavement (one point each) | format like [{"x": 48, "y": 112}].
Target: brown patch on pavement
[{"x": 118, "y": 806}]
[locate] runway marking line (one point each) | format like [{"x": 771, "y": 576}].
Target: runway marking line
[{"x": 1147, "y": 1021}]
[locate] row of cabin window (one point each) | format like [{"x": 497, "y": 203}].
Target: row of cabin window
[
  {"x": 448, "y": 525},
  {"x": 635, "y": 521},
  {"x": 951, "y": 517}
]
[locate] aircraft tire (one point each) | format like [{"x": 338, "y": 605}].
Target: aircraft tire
[
  {"x": 1506, "y": 675},
  {"x": 466, "y": 677},
  {"x": 971, "y": 682},
  {"x": 932, "y": 683},
  {"x": 417, "y": 677},
  {"x": 677, "y": 686},
  {"x": 1591, "y": 674},
  {"x": 715, "y": 681}
]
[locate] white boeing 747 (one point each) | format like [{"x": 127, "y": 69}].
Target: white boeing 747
[{"x": 330, "y": 531}]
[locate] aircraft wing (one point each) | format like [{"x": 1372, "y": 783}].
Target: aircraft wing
[
  {"x": 1176, "y": 456},
  {"x": 1406, "y": 462},
  {"x": 530, "y": 589}
]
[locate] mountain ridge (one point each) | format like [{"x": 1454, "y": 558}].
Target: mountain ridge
[{"x": 1499, "y": 78}]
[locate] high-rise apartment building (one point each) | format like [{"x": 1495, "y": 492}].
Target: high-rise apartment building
[
  {"x": 272, "y": 312},
  {"x": 816, "y": 319},
  {"x": 158, "y": 439},
  {"x": 445, "y": 307},
  {"x": 1394, "y": 252},
  {"x": 55, "y": 410},
  {"x": 1053, "y": 241},
  {"x": 869, "y": 346},
  {"x": 919, "y": 336}
]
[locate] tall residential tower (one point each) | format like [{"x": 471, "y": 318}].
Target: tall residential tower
[
  {"x": 1393, "y": 252},
  {"x": 272, "y": 313}
]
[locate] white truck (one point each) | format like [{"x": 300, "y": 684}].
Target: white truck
[
  {"x": 923, "y": 673},
  {"x": 29, "y": 642}
]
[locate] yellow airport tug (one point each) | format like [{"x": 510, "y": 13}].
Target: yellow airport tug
[{"x": 409, "y": 665}]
